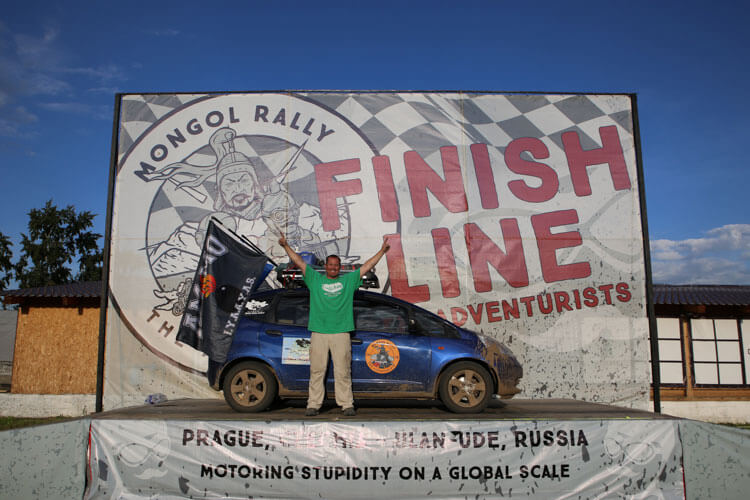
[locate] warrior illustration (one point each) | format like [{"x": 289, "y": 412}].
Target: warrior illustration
[
  {"x": 281, "y": 212},
  {"x": 249, "y": 199},
  {"x": 238, "y": 187}
]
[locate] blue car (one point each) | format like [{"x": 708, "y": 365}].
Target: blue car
[{"x": 399, "y": 350}]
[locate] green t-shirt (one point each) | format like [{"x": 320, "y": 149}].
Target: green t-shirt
[{"x": 331, "y": 309}]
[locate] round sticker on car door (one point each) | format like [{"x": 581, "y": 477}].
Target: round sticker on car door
[{"x": 382, "y": 356}]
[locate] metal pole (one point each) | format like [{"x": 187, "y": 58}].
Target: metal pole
[
  {"x": 104, "y": 298},
  {"x": 655, "y": 369}
]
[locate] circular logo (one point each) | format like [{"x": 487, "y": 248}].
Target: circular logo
[
  {"x": 256, "y": 163},
  {"x": 382, "y": 356}
]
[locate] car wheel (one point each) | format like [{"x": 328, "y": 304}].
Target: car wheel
[
  {"x": 466, "y": 387},
  {"x": 250, "y": 387}
]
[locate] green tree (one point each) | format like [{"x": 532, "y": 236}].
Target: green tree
[
  {"x": 6, "y": 264},
  {"x": 56, "y": 239}
]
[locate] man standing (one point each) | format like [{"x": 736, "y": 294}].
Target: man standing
[{"x": 331, "y": 320}]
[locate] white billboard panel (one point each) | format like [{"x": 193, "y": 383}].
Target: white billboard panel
[{"x": 517, "y": 215}]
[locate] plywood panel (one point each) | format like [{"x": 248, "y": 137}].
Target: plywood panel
[{"x": 56, "y": 350}]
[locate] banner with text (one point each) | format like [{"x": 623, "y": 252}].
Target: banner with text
[
  {"x": 515, "y": 215},
  {"x": 236, "y": 459}
]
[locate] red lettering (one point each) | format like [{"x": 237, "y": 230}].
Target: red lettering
[
  {"x": 610, "y": 153},
  {"x": 548, "y": 187},
  {"x": 493, "y": 309},
  {"x": 449, "y": 191},
  {"x": 330, "y": 190},
  {"x": 545, "y": 309},
  {"x": 476, "y": 314},
  {"x": 381, "y": 166},
  {"x": 606, "y": 289},
  {"x": 485, "y": 177},
  {"x": 510, "y": 309},
  {"x": 458, "y": 316},
  {"x": 483, "y": 252},
  {"x": 589, "y": 297},
  {"x": 549, "y": 243},
  {"x": 623, "y": 292},
  {"x": 547, "y": 303},
  {"x": 446, "y": 261},
  {"x": 562, "y": 301},
  {"x": 397, "y": 274},
  {"x": 577, "y": 298},
  {"x": 527, "y": 301}
]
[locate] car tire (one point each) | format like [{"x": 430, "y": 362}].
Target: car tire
[
  {"x": 250, "y": 387},
  {"x": 466, "y": 387}
]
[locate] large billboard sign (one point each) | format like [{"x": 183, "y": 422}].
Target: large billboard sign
[{"x": 517, "y": 215}]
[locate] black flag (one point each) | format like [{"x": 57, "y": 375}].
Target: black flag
[{"x": 229, "y": 271}]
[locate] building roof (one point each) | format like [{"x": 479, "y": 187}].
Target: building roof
[
  {"x": 83, "y": 289},
  {"x": 709, "y": 295},
  {"x": 712, "y": 295}
]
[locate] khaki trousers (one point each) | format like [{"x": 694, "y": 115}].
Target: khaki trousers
[{"x": 340, "y": 347}]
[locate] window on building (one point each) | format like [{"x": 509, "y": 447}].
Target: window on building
[
  {"x": 671, "y": 366},
  {"x": 717, "y": 352}
]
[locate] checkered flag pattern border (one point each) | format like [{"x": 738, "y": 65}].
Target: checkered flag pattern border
[{"x": 424, "y": 122}]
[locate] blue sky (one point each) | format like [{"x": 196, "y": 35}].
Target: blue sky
[{"x": 61, "y": 64}]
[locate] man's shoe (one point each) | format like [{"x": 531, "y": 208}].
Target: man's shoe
[
  {"x": 349, "y": 412},
  {"x": 311, "y": 412}
]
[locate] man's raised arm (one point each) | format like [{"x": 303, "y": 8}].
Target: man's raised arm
[
  {"x": 375, "y": 258},
  {"x": 293, "y": 256}
]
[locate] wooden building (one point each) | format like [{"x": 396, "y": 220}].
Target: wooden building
[
  {"x": 704, "y": 350},
  {"x": 57, "y": 337}
]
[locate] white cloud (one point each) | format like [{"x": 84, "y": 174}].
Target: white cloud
[
  {"x": 163, "y": 32},
  {"x": 23, "y": 115},
  {"x": 722, "y": 256},
  {"x": 38, "y": 52},
  {"x": 12, "y": 120},
  {"x": 103, "y": 73},
  {"x": 35, "y": 67},
  {"x": 79, "y": 108}
]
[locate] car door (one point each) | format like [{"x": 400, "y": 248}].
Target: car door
[
  {"x": 386, "y": 356},
  {"x": 285, "y": 340}
]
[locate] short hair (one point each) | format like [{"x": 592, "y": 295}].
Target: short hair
[{"x": 333, "y": 256}]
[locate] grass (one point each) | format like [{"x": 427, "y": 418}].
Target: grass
[
  {"x": 7, "y": 423},
  {"x": 739, "y": 426}
]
